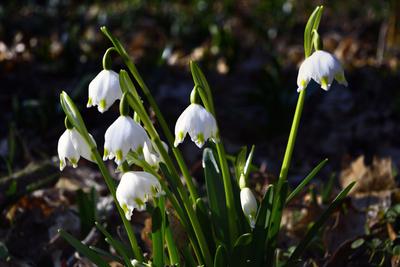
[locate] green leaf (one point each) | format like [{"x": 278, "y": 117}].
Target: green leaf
[
  {"x": 83, "y": 249},
  {"x": 247, "y": 166},
  {"x": 312, "y": 24},
  {"x": 74, "y": 116},
  {"x": 188, "y": 256},
  {"x": 106, "y": 254},
  {"x": 260, "y": 230},
  {"x": 221, "y": 257},
  {"x": 87, "y": 209},
  {"x": 216, "y": 197},
  {"x": 243, "y": 240},
  {"x": 117, "y": 245},
  {"x": 396, "y": 250},
  {"x": 306, "y": 180},
  {"x": 275, "y": 222},
  {"x": 241, "y": 254},
  {"x": 200, "y": 80},
  {"x": 357, "y": 243},
  {"x": 127, "y": 85},
  {"x": 204, "y": 219},
  {"x": 240, "y": 162},
  {"x": 171, "y": 245},
  {"x": 327, "y": 189},
  {"x": 157, "y": 238},
  {"x": 313, "y": 231}
]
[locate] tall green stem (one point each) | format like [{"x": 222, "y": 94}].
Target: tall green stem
[
  {"x": 132, "y": 68},
  {"x": 230, "y": 201},
  {"x": 73, "y": 115},
  {"x": 292, "y": 139},
  {"x": 168, "y": 162},
  {"x": 111, "y": 187}
]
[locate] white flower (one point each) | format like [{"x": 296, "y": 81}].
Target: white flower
[
  {"x": 135, "y": 189},
  {"x": 151, "y": 154},
  {"x": 104, "y": 89},
  {"x": 199, "y": 123},
  {"x": 323, "y": 68},
  {"x": 121, "y": 137},
  {"x": 72, "y": 146},
  {"x": 249, "y": 205}
]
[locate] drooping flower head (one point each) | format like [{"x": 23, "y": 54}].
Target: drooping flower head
[
  {"x": 71, "y": 146},
  {"x": 151, "y": 154},
  {"x": 323, "y": 68},
  {"x": 121, "y": 137},
  {"x": 135, "y": 189},
  {"x": 249, "y": 205},
  {"x": 199, "y": 123},
  {"x": 104, "y": 89}
]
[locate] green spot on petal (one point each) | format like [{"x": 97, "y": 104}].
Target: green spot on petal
[
  {"x": 303, "y": 83},
  {"x": 102, "y": 104},
  {"x": 324, "y": 82},
  {"x": 118, "y": 155},
  {"x": 139, "y": 202},
  {"x": 180, "y": 136},
  {"x": 90, "y": 102},
  {"x": 74, "y": 162},
  {"x": 200, "y": 138},
  {"x": 126, "y": 211}
]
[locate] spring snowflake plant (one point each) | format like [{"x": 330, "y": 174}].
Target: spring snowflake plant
[{"x": 224, "y": 227}]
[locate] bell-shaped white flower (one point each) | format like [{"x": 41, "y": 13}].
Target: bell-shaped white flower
[
  {"x": 121, "y": 137},
  {"x": 249, "y": 205},
  {"x": 323, "y": 68},
  {"x": 151, "y": 154},
  {"x": 104, "y": 89},
  {"x": 135, "y": 189},
  {"x": 71, "y": 146},
  {"x": 199, "y": 123}
]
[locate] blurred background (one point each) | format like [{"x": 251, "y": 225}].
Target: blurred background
[{"x": 250, "y": 52}]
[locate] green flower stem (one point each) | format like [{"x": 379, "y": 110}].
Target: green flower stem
[
  {"x": 292, "y": 139},
  {"x": 171, "y": 246},
  {"x": 132, "y": 68},
  {"x": 73, "y": 115},
  {"x": 111, "y": 187},
  {"x": 107, "y": 58},
  {"x": 230, "y": 201},
  {"x": 164, "y": 154},
  {"x": 182, "y": 216}
]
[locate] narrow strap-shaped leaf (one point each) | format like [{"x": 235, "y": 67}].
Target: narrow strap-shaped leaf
[
  {"x": 246, "y": 169},
  {"x": 312, "y": 24},
  {"x": 188, "y": 256},
  {"x": 171, "y": 245},
  {"x": 202, "y": 213},
  {"x": 221, "y": 257},
  {"x": 216, "y": 198},
  {"x": 83, "y": 249},
  {"x": 117, "y": 245},
  {"x": 200, "y": 80},
  {"x": 306, "y": 180},
  {"x": 260, "y": 230},
  {"x": 313, "y": 231},
  {"x": 157, "y": 238},
  {"x": 240, "y": 162},
  {"x": 107, "y": 254},
  {"x": 275, "y": 223},
  {"x": 242, "y": 253}
]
